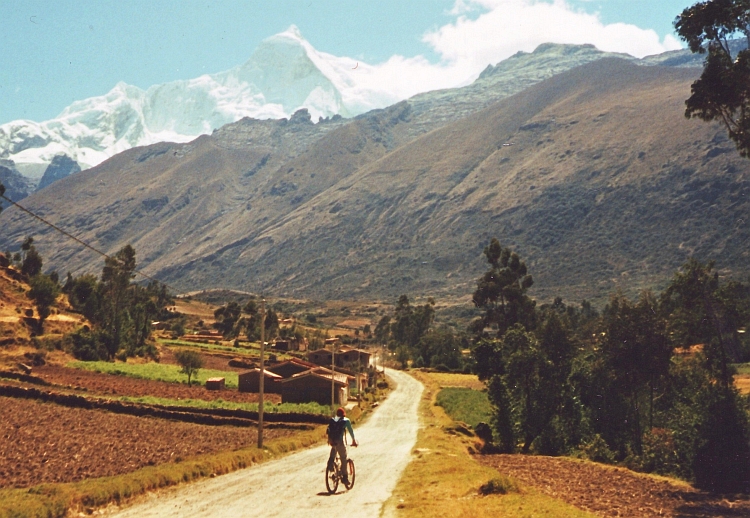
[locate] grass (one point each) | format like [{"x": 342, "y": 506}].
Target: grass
[
  {"x": 157, "y": 371},
  {"x": 465, "y": 404},
  {"x": 450, "y": 379},
  {"x": 60, "y": 500},
  {"x": 301, "y": 408},
  {"x": 742, "y": 368},
  {"x": 444, "y": 480},
  {"x": 242, "y": 350}
]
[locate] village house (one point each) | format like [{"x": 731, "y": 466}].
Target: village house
[
  {"x": 250, "y": 381},
  {"x": 291, "y": 367},
  {"x": 291, "y": 344},
  {"x": 315, "y": 385}
]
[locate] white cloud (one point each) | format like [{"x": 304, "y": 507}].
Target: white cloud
[
  {"x": 507, "y": 26},
  {"x": 488, "y": 31}
]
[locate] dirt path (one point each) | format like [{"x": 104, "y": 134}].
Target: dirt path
[{"x": 295, "y": 485}]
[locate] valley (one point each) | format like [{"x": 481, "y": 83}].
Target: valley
[{"x": 529, "y": 294}]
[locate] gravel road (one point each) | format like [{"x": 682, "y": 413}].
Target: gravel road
[{"x": 295, "y": 485}]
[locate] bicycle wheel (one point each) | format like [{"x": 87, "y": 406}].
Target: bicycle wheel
[
  {"x": 351, "y": 473},
  {"x": 332, "y": 479}
]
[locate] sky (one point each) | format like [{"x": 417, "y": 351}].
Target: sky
[{"x": 55, "y": 52}]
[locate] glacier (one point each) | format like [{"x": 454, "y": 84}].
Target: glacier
[{"x": 284, "y": 74}]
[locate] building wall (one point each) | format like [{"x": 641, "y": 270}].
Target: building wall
[
  {"x": 309, "y": 389},
  {"x": 248, "y": 382}
]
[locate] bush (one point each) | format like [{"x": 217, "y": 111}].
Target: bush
[
  {"x": 598, "y": 451},
  {"x": 501, "y": 485},
  {"x": 660, "y": 452},
  {"x": 87, "y": 345}
]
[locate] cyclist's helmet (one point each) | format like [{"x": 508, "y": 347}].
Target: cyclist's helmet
[{"x": 341, "y": 412}]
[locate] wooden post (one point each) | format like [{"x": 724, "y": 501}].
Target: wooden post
[{"x": 262, "y": 370}]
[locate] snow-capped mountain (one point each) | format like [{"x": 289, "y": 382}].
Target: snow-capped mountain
[{"x": 283, "y": 74}]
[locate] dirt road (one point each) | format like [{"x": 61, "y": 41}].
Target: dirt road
[{"x": 295, "y": 485}]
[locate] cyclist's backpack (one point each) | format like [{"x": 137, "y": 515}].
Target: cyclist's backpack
[{"x": 336, "y": 429}]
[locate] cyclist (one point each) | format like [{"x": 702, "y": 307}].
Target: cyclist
[{"x": 337, "y": 429}]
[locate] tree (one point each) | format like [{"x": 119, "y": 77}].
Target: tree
[
  {"x": 383, "y": 330},
  {"x": 722, "y": 92},
  {"x": 410, "y": 323},
  {"x": 116, "y": 320},
  {"x": 440, "y": 347},
  {"x": 32, "y": 260},
  {"x": 190, "y": 362},
  {"x": 227, "y": 318},
  {"x": 701, "y": 310},
  {"x": 44, "y": 292},
  {"x": 501, "y": 292},
  {"x": 83, "y": 293},
  {"x": 636, "y": 353}
]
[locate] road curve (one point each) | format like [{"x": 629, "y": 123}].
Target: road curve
[{"x": 295, "y": 485}]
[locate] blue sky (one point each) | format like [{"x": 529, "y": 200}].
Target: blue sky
[{"x": 56, "y": 52}]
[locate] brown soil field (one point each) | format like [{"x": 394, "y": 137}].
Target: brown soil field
[
  {"x": 609, "y": 491},
  {"x": 108, "y": 384},
  {"x": 43, "y": 442}
]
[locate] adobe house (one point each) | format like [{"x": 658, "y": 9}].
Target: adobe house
[
  {"x": 319, "y": 356},
  {"x": 249, "y": 381},
  {"x": 351, "y": 356},
  {"x": 291, "y": 367},
  {"x": 315, "y": 385},
  {"x": 291, "y": 344}
]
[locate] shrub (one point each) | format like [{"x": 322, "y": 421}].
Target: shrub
[
  {"x": 87, "y": 346},
  {"x": 501, "y": 485},
  {"x": 598, "y": 451}
]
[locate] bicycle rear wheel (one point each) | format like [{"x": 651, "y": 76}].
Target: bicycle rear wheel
[
  {"x": 332, "y": 479},
  {"x": 351, "y": 473}
]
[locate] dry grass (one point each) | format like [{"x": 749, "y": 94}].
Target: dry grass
[
  {"x": 742, "y": 382},
  {"x": 444, "y": 480},
  {"x": 449, "y": 379}
]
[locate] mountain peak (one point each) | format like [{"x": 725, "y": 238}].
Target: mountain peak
[{"x": 292, "y": 33}]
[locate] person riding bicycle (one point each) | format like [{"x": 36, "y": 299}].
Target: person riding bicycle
[{"x": 337, "y": 429}]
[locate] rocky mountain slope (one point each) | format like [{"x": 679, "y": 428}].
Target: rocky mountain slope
[
  {"x": 284, "y": 74},
  {"x": 593, "y": 175}
]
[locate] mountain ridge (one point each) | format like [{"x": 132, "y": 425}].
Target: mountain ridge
[
  {"x": 356, "y": 208},
  {"x": 284, "y": 74}
]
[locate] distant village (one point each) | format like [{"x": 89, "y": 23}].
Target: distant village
[{"x": 335, "y": 371}]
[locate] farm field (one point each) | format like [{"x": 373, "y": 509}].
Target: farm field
[
  {"x": 464, "y": 404},
  {"x": 450, "y": 379},
  {"x": 609, "y": 491},
  {"x": 156, "y": 371},
  {"x": 117, "y": 385},
  {"x": 44, "y": 442}
]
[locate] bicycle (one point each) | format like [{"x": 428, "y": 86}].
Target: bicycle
[{"x": 334, "y": 476}]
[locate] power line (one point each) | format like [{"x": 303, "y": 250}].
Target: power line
[{"x": 79, "y": 241}]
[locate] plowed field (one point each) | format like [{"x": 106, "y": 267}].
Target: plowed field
[
  {"x": 108, "y": 384},
  {"x": 43, "y": 442},
  {"x": 608, "y": 491}
]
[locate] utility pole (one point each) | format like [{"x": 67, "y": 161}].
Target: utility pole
[
  {"x": 333, "y": 377},
  {"x": 262, "y": 373}
]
